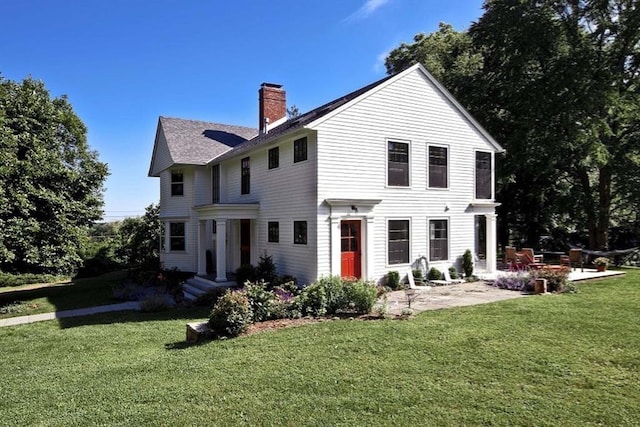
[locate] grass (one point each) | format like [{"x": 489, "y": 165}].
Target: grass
[
  {"x": 570, "y": 360},
  {"x": 27, "y": 299}
]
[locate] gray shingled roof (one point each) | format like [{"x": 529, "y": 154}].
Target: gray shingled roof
[
  {"x": 193, "y": 142},
  {"x": 300, "y": 121}
]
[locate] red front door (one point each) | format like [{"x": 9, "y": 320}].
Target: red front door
[{"x": 350, "y": 243}]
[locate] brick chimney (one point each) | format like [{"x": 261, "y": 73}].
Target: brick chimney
[{"x": 272, "y": 104}]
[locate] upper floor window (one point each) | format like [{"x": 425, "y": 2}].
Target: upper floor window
[
  {"x": 300, "y": 232},
  {"x": 176, "y": 236},
  {"x": 300, "y": 150},
  {"x": 273, "y": 235},
  {"x": 398, "y": 164},
  {"x": 398, "y": 242},
  {"x": 438, "y": 240},
  {"x": 483, "y": 175},
  {"x": 245, "y": 185},
  {"x": 177, "y": 183},
  {"x": 274, "y": 157},
  {"x": 215, "y": 184},
  {"x": 438, "y": 162}
]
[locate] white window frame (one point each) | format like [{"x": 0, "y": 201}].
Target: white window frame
[
  {"x": 448, "y": 220},
  {"x": 386, "y": 163},
  {"x": 171, "y": 182},
  {"x": 386, "y": 240},
  {"x": 428, "y": 167},
  {"x": 184, "y": 236},
  {"x": 493, "y": 171}
]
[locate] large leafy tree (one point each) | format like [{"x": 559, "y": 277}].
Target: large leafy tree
[
  {"x": 51, "y": 183},
  {"x": 558, "y": 87}
]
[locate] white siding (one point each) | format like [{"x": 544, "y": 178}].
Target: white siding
[
  {"x": 286, "y": 194},
  {"x": 352, "y": 163},
  {"x": 161, "y": 156},
  {"x": 179, "y": 209}
]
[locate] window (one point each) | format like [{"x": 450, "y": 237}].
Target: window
[
  {"x": 300, "y": 150},
  {"x": 438, "y": 240},
  {"x": 274, "y": 157},
  {"x": 438, "y": 167},
  {"x": 177, "y": 183},
  {"x": 176, "y": 236},
  {"x": 273, "y": 235},
  {"x": 398, "y": 164},
  {"x": 300, "y": 232},
  {"x": 245, "y": 186},
  {"x": 398, "y": 244},
  {"x": 483, "y": 175},
  {"x": 215, "y": 184}
]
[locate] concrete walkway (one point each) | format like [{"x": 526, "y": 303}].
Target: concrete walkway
[
  {"x": 449, "y": 296},
  {"x": 12, "y": 321}
]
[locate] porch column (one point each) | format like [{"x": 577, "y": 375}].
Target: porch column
[
  {"x": 369, "y": 249},
  {"x": 336, "y": 265},
  {"x": 167, "y": 236},
  {"x": 202, "y": 248},
  {"x": 221, "y": 250},
  {"x": 492, "y": 257}
]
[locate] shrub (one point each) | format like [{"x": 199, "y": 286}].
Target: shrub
[
  {"x": 467, "y": 263},
  {"x": 557, "y": 280},
  {"x": 261, "y": 301},
  {"x": 453, "y": 272},
  {"x": 515, "y": 282},
  {"x": 334, "y": 289},
  {"x": 209, "y": 298},
  {"x": 434, "y": 274},
  {"x": 313, "y": 300},
  {"x": 156, "y": 302},
  {"x": 245, "y": 273},
  {"x": 361, "y": 296},
  {"x": 127, "y": 291},
  {"x": 417, "y": 275},
  {"x": 284, "y": 305},
  {"x": 266, "y": 270},
  {"x": 231, "y": 315},
  {"x": 393, "y": 280},
  {"x": 9, "y": 279}
]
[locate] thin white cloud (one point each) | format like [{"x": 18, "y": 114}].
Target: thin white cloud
[
  {"x": 379, "y": 66},
  {"x": 366, "y": 10}
]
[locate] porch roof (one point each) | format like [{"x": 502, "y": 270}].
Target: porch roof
[{"x": 219, "y": 211}]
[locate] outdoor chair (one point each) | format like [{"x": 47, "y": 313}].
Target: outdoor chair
[
  {"x": 528, "y": 262},
  {"x": 412, "y": 282},
  {"x": 447, "y": 279},
  {"x": 575, "y": 259},
  {"x": 529, "y": 252}
]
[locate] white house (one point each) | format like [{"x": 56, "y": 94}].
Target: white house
[{"x": 394, "y": 174}]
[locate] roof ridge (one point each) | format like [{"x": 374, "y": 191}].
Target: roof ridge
[{"x": 209, "y": 122}]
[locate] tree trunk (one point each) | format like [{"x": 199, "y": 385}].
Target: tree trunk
[{"x": 604, "y": 208}]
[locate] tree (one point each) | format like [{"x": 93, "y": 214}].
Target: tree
[
  {"x": 293, "y": 112},
  {"x": 140, "y": 239},
  {"x": 556, "y": 82},
  {"x": 50, "y": 181}
]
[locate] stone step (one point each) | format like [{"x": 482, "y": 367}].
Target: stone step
[
  {"x": 202, "y": 283},
  {"x": 196, "y": 286}
]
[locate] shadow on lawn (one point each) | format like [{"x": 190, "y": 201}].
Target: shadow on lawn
[{"x": 114, "y": 317}]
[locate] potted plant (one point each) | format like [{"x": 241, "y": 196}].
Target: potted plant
[{"x": 601, "y": 263}]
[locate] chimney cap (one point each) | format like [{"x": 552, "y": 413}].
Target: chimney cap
[{"x": 271, "y": 85}]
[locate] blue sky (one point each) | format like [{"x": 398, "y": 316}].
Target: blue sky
[{"x": 122, "y": 63}]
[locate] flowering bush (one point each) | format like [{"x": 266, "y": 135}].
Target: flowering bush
[
  {"x": 516, "y": 282},
  {"x": 557, "y": 280},
  {"x": 231, "y": 315}
]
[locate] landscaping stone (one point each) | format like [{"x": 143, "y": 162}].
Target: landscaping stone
[
  {"x": 197, "y": 331},
  {"x": 540, "y": 286}
]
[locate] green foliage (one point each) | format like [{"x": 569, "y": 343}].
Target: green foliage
[
  {"x": 231, "y": 315},
  {"x": 393, "y": 280},
  {"x": 434, "y": 274},
  {"x": 266, "y": 270},
  {"x": 245, "y": 273},
  {"x": 140, "y": 239},
  {"x": 50, "y": 181},
  {"x": 361, "y": 296},
  {"x": 154, "y": 302},
  {"x": 10, "y": 279},
  {"x": 601, "y": 261},
  {"x": 557, "y": 280},
  {"x": 261, "y": 301},
  {"x": 331, "y": 295},
  {"x": 453, "y": 272},
  {"x": 467, "y": 263}
]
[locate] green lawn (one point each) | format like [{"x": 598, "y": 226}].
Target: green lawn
[
  {"x": 569, "y": 360},
  {"x": 26, "y": 300}
]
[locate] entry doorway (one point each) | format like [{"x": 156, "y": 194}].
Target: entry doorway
[
  {"x": 245, "y": 241},
  {"x": 480, "y": 225},
  {"x": 351, "y": 249}
]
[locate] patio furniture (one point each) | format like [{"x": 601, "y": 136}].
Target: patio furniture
[
  {"x": 447, "y": 279},
  {"x": 412, "y": 282},
  {"x": 529, "y": 263},
  {"x": 529, "y": 252},
  {"x": 575, "y": 259}
]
